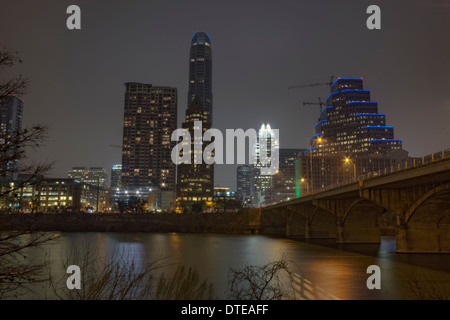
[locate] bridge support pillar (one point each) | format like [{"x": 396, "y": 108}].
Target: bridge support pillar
[
  {"x": 401, "y": 243},
  {"x": 422, "y": 239},
  {"x": 357, "y": 234},
  {"x": 308, "y": 233}
]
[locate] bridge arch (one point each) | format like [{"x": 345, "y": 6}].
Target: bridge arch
[
  {"x": 296, "y": 221},
  {"x": 321, "y": 224},
  {"x": 359, "y": 222},
  {"x": 435, "y": 192},
  {"x": 427, "y": 226}
]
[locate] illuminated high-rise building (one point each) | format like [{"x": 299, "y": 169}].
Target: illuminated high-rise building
[
  {"x": 261, "y": 182},
  {"x": 195, "y": 181},
  {"x": 150, "y": 117},
  {"x": 200, "y": 72},
  {"x": 350, "y": 127}
]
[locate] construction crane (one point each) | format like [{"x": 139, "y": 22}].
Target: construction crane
[
  {"x": 320, "y": 104},
  {"x": 114, "y": 146},
  {"x": 313, "y": 84}
]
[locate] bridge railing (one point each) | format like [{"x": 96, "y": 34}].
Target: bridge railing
[{"x": 399, "y": 166}]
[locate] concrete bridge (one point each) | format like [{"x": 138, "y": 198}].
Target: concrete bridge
[{"x": 419, "y": 196}]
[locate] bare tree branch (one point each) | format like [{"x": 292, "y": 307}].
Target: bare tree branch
[{"x": 16, "y": 85}]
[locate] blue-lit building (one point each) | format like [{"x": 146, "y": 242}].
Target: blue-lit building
[
  {"x": 11, "y": 113},
  {"x": 200, "y": 72},
  {"x": 116, "y": 172},
  {"x": 351, "y": 127}
]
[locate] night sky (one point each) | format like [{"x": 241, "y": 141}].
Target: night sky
[{"x": 260, "y": 48}]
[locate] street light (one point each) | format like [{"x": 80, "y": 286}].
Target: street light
[
  {"x": 315, "y": 141},
  {"x": 347, "y": 160},
  {"x": 302, "y": 180}
]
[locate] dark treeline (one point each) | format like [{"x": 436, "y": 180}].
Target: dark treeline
[{"x": 240, "y": 222}]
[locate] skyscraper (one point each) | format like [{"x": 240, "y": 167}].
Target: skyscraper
[
  {"x": 150, "y": 117},
  {"x": 259, "y": 183},
  {"x": 200, "y": 72},
  {"x": 244, "y": 174},
  {"x": 11, "y": 112},
  {"x": 349, "y": 127},
  {"x": 195, "y": 182}
]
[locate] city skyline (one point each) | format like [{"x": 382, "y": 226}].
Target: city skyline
[{"x": 404, "y": 64}]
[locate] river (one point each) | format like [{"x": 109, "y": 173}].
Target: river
[{"x": 322, "y": 269}]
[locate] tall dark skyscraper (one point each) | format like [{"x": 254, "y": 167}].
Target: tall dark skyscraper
[
  {"x": 200, "y": 72},
  {"x": 244, "y": 175},
  {"x": 11, "y": 113},
  {"x": 150, "y": 117},
  {"x": 195, "y": 182}
]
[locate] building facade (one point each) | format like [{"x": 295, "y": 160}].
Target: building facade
[
  {"x": 259, "y": 183},
  {"x": 95, "y": 176},
  {"x": 55, "y": 195},
  {"x": 116, "y": 179},
  {"x": 200, "y": 72},
  {"x": 150, "y": 117},
  {"x": 284, "y": 184},
  {"x": 351, "y": 139},
  {"x": 244, "y": 176},
  {"x": 195, "y": 182}
]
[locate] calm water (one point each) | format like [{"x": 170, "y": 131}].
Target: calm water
[{"x": 323, "y": 269}]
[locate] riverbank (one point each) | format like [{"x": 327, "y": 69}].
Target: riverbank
[{"x": 245, "y": 221}]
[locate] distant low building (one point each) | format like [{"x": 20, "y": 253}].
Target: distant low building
[
  {"x": 152, "y": 199},
  {"x": 55, "y": 195},
  {"x": 95, "y": 176}
]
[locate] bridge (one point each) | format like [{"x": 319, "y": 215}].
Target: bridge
[{"x": 418, "y": 195}]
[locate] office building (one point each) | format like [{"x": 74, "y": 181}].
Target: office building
[
  {"x": 55, "y": 195},
  {"x": 116, "y": 179},
  {"x": 283, "y": 184},
  {"x": 95, "y": 176},
  {"x": 244, "y": 176}
]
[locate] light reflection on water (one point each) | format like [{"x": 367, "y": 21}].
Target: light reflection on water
[{"x": 322, "y": 269}]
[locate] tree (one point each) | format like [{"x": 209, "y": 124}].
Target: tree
[
  {"x": 233, "y": 204},
  {"x": 197, "y": 208},
  {"x": 16, "y": 271},
  {"x": 261, "y": 282},
  {"x": 16, "y": 85},
  {"x": 136, "y": 205},
  {"x": 15, "y": 145}
]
